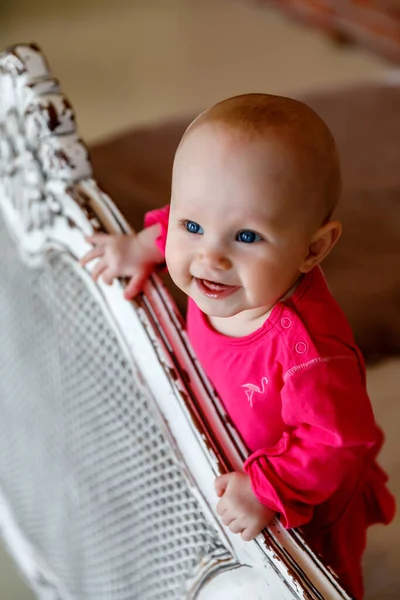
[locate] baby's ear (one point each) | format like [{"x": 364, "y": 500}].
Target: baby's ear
[{"x": 321, "y": 244}]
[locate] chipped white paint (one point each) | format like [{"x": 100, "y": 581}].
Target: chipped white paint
[
  {"x": 41, "y": 154},
  {"x": 49, "y": 201}
]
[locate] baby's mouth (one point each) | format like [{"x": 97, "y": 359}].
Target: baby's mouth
[
  {"x": 214, "y": 289},
  {"x": 213, "y": 285}
]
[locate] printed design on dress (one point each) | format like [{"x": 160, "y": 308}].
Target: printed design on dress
[{"x": 251, "y": 389}]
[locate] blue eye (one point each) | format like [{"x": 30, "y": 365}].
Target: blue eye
[
  {"x": 248, "y": 237},
  {"x": 193, "y": 227}
]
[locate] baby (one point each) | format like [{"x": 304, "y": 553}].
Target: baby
[{"x": 256, "y": 179}]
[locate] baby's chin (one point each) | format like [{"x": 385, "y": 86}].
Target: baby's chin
[
  {"x": 242, "y": 316},
  {"x": 215, "y": 308},
  {"x": 218, "y": 313}
]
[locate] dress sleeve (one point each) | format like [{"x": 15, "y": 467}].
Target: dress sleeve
[
  {"x": 160, "y": 216},
  {"x": 331, "y": 432}
]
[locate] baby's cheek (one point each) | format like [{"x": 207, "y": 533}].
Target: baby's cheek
[
  {"x": 263, "y": 277},
  {"x": 172, "y": 257},
  {"x": 177, "y": 264},
  {"x": 257, "y": 282}
]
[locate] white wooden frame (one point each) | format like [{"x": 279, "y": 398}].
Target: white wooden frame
[{"x": 52, "y": 202}]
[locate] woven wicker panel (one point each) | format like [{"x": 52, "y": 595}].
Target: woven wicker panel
[{"x": 99, "y": 492}]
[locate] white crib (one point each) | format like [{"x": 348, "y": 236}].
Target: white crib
[{"x": 110, "y": 435}]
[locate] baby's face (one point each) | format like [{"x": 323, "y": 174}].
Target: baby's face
[{"x": 236, "y": 237}]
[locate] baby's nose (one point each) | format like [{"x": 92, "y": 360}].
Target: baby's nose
[{"x": 215, "y": 259}]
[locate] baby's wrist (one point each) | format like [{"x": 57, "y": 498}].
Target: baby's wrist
[{"x": 148, "y": 240}]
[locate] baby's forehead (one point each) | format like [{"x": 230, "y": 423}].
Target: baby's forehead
[
  {"x": 274, "y": 153},
  {"x": 218, "y": 162}
]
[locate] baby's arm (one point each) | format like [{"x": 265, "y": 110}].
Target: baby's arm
[
  {"x": 135, "y": 256},
  {"x": 330, "y": 436},
  {"x": 327, "y": 449}
]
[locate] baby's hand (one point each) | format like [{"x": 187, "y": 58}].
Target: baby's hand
[
  {"x": 239, "y": 508},
  {"x": 133, "y": 256}
]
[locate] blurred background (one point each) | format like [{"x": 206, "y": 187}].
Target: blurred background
[
  {"x": 124, "y": 62},
  {"x": 129, "y": 62}
]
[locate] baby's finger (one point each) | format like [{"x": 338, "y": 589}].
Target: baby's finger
[
  {"x": 91, "y": 255},
  {"x": 98, "y": 269},
  {"x": 97, "y": 238},
  {"x": 221, "y": 507},
  {"x": 108, "y": 277},
  {"x": 249, "y": 533},
  {"x": 135, "y": 285},
  {"x": 220, "y": 484},
  {"x": 236, "y": 526},
  {"x": 227, "y": 518}
]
